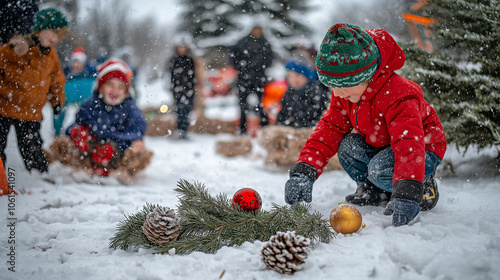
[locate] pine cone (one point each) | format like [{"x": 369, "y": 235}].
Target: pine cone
[
  {"x": 161, "y": 226},
  {"x": 285, "y": 252}
]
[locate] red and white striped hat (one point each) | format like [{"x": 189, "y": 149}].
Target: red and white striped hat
[
  {"x": 79, "y": 54},
  {"x": 113, "y": 68}
]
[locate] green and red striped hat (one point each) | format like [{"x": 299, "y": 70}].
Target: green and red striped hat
[{"x": 347, "y": 56}]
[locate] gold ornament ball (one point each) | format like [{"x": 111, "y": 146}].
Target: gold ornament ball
[{"x": 345, "y": 219}]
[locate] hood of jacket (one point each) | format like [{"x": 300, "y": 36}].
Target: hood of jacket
[{"x": 391, "y": 59}]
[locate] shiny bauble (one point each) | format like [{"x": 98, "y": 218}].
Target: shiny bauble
[
  {"x": 345, "y": 219},
  {"x": 248, "y": 199}
]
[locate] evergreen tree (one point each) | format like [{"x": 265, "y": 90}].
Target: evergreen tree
[
  {"x": 461, "y": 78},
  {"x": 225, "y": 20}
]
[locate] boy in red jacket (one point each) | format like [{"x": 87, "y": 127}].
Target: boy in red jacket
[{"x": 399, "y": 141}]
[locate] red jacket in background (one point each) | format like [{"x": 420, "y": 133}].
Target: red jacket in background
[{"x": 391, "y": 112}]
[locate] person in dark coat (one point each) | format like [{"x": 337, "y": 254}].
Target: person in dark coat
[
  {"x": 109, "y": 123},
  {"x": 16, "y": 18},
  {"x": 305, "y": 99},
  {"x": 182, "y": 78},
  {"x": 251, "y": 56}
]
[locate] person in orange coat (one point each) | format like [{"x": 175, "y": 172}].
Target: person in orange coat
[{"x": 31, "y": 74}]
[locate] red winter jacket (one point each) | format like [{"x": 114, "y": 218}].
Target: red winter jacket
[{"x": 391, "y": 112}]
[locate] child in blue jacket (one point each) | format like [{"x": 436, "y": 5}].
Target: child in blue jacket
[
  {"x": 305, "y": 99},
  {"x": 109, "y": 125}
]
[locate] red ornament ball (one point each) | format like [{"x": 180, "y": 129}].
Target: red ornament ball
[{"x": 248, "y": 199}]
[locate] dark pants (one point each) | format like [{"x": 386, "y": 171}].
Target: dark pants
[
  {"x": 184, "y": 107},
  {"x": 364, "y": 162},
  {"x": 29, "y": 142},
  {"x": 247, "y": 86}
]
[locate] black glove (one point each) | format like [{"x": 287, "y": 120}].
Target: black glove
[
  {"x": 405, "y": 199},
  {"x": 299, "y": 187},
  {"x": 57, "y": 109}
]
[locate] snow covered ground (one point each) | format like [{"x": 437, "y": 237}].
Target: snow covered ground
[{"x": 62, "y": 231}]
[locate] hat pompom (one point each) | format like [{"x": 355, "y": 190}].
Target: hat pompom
[
  {"x": 347, "y": 56},
  {"x": 113, "y": 68}
]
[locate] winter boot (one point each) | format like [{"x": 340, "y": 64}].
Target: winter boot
[
  {"x": 368, "y": 194},
  {"x": 431, "y": 194}
]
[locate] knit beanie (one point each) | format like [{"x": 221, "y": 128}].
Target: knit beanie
[
  {"x": 300, "y": 63},
  {"x": 347, "y": 56},
  {"x": 50, "y": 18},
  {"x": 79, "y": 54},
  {"x": 113, "y": 68}
]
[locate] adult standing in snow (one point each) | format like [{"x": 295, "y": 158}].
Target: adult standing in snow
[
  {"x": 16, "y": 18},
  {"x": 31, "y": 74},
  {"x": 400, "y": 140},
  {"x": 251, "y": 56},
  {"x": 182, "y": 79},
  {"x": 305, "y": 99}
]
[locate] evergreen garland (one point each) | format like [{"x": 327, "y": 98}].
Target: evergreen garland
[{"x": 208, "y": 223}]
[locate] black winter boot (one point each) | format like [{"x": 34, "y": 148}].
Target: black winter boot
[
  {"x": 431, "y": 194},
  {"x": 368, "y": 194}
]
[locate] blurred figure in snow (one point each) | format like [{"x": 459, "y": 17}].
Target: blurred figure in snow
[
  {"x": 109, "y": 126},
  {"x": 251, "y": 56},
  {"x": 182, "y": 77},
  {"x": 102, "y": 56},
  {"x": 31, "y": 74},
  {"x": 306, "y": 47},
  {"x": 80, "y": 76},
  {"x": 78, "y": 65},
  {"x": 305, "y": 100},
  {"x": 125, "y": 54},
  {"x": 16, "y": 18},
  {"x": 399, "y": 141}
]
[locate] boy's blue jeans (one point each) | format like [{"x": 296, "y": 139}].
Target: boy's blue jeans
[{"x": 364, "y": 162}]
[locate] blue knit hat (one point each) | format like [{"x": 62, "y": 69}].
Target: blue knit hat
[{"x": 301, "y": 64}]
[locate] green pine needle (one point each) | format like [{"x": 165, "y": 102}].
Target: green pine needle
[{"x": 130, "y": 230}]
